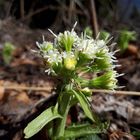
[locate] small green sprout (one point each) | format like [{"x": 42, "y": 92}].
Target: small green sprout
[
  {"x": 88, "y": 31},
  {"x": 67, "y": 58},
  {"x": 7, "y": 51},
  {"x": 104, "y": 35},
  {"x": 124, "y": 38},
  {"x": 136, "y": 134}
]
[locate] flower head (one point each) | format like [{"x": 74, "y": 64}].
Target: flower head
[
  {"x": 66, "y": 40},
  {"x": 70, "y": 54},
  {"x": 88, "y": 48},
  {"x": 105, "y": 81},
  {"x": 87, "y": 91},
  {"x": 53, "y": 57},
  {"x": 103, "y": 60},
  {"x": 45, "y": 46}
]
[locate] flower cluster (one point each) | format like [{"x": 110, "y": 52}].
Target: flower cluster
[
  {"x": 70, "y": 55},
  {"x": 80, "y": 63}
]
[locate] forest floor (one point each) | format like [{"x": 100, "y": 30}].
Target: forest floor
[{"x": 21, "y": 101}]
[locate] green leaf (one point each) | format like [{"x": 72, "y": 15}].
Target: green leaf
[
  {"x": 124, "y": 38},
  {"x": 83, "y": 130},
  {"x": 136, "y": 134},
  {"x": 84, "y": 104},
  {"x": 38, "y": 123},
  {"x": 88, "y": 31},
  {"x": 104, "y": 35}
]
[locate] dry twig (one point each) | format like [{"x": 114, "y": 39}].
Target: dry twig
[
  {"x": 50, "y": 8},
  {"x": 94, "y": 22},
  {"x": 48, "y": 89},
  {"x": 119, "y": 92},
  {"x": 22, "y": 9}
]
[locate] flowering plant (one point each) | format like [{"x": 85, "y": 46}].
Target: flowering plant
[{"x": 70, "y": 58}]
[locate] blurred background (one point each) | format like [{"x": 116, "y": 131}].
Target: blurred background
[{"x": 23, "y": 22}]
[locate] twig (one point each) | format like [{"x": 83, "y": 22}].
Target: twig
[
  {"x": 9, "y": 8},
  {"x": 117, "y": 92},
  {"x": 93, "y": 14},
  {"x": 48, "y": 89},
  {"x": 50, "y": 8},
  {"x": 70, "y": 12},
  {"x": 22, "y": 9}
]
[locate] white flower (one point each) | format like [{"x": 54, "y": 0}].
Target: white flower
[
  {"x": 53, "y": 57},
  {"x": 100, "y": 43},
  {"x": 67, "y": 54},
  {"x": 74, "y": 54},
  {"x": 67, "y": 40},
  {"x": 88, "y": 47},
  {"x": 45, "y": 46}
]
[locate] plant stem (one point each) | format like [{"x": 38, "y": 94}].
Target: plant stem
[{"x": 64, "y": 106}]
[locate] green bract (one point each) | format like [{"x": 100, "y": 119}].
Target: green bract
[
  {"x": 105, "y": 81},
  {"x": 72, "y": 58}
]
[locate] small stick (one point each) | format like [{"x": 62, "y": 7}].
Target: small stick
[
  {"x": 48, "y": 89},
  {"x": 50, "y": 8},
  {"x": 94, "y": 22},
  {"x": 22, "y": 9},
  {"x": 117, "y": 92}
]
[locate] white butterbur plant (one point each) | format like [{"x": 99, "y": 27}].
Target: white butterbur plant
[{"x": 70, "y": 58}]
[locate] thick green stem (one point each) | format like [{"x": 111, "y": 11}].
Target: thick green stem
[{"x": 63, "y": 110}]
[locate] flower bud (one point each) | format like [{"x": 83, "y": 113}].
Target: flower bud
[
  {"x": 106, "y": 81},
  {"x": 103, "y": 60},
  {"x": 66, "y": 40},
  {"x": 70, "y": 63},
  {"x": 45, "y": 46},
  {"x": 87, "y": 91}
]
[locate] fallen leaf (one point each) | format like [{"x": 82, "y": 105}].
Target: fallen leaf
[
  {"x": 133, "y": 49},
  {"x": 1, "y": 92},
  {"x": 22, "y": 97},
  {"x": 23, "y": 61}
]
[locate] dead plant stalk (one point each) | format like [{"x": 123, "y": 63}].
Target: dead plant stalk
[{"x": 48, "y": 89}]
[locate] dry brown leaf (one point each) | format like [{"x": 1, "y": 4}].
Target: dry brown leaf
[
  {"x": 22, "y": 97},
  {"x": 1, "y": 92},
  {"x": 133, "y": 49},
  {"x": 119, "y": 135},
  {"x": 121, "y": 107},
  {"x": 23, "y": 61},
  {"x": 1, "y": 82}
]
